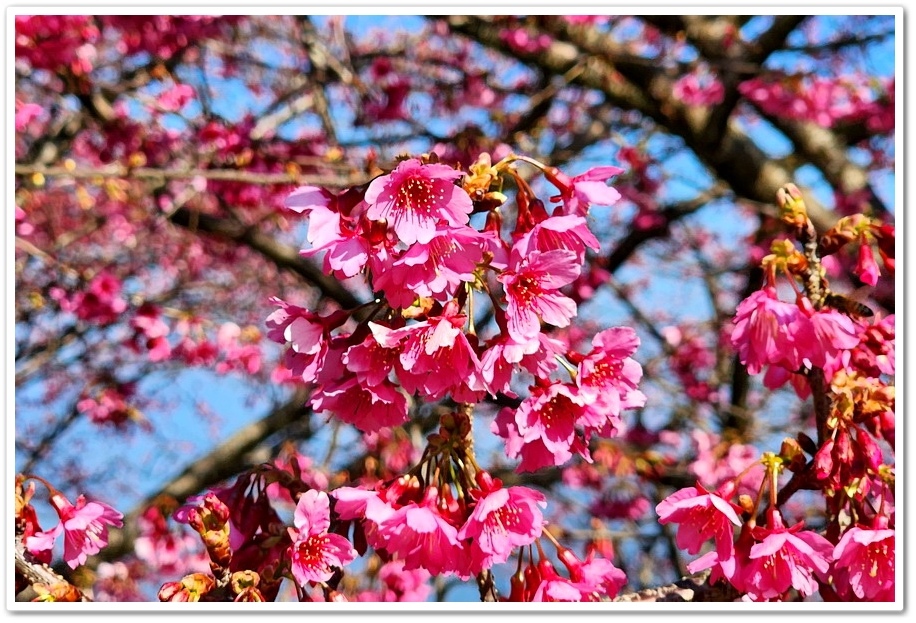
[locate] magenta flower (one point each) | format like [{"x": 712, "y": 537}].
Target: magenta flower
[
  {"x": 596, "y": 578},
  {"x": 434, "y": 269},
  {"x": 370, "y": 361},
  {"x": 532, "y": 285},
  {"x": 875, "y": 352},
  {"x": 555, "y": 588},
  {"x": 559, "y": 232},
  {"x": 699, "y": 90},
  {"x": 25, "y": 113},
  {"x": 612, "y": 376},
  {"x": 435, "y": 355},
  {"x": 353, "y": 503},
  {"x": 765, "y": 330},
  {"x": 502, "y": 520},
  {"x": 420, "y": 535},
  {"x": 337, "y": 225},
  {"x": 347, "y": 251},
  {"x": 367, "y": 407},
  {"x": 305, "y": 332},
  {"x": 785, "y": 558},
  {"x": 702, "y": 515},
  {"x": 866, "y": 267},
  {"x": 579, "y": 192},
  {"x": 85, "y": 528},
  {"x": 824, "y": 337},
  {"x": 415, "y": 197},
  {"x": 315, "y": 552},
  {"x": 865, "y": 564},
  {"x": 547, "y": 427}
]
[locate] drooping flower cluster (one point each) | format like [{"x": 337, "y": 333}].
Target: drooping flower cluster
[
  {"x": 428, "y": 528},
  {"x": 409, "y": 233},
  {"x": 845, "y": 360},
  {"x": 766, "y": 562}
]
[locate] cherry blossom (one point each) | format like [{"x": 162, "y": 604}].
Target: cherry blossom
[
  {"x": 84, "y": 526},
  {"x": 315, "y": 552},
  {"x": 415, "y": 196}
]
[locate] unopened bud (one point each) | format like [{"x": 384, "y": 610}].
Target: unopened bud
[{"x": 792, "y": 210}]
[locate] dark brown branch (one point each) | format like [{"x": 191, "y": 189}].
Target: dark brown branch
[{"x": 695, "y": 588}]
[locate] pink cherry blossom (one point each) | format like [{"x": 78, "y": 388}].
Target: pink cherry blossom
[
  {"x": 434, "y": 269},
  {"x": 559, "y": 232},
  {"x": 502, "y": 520},
  {"x": 337, "y": 224},
  {"x": 601, "y": 579},
  {"x": 824, "y": 337},
  {"x": 546, "y": 429},
  {"x": 435, "y": 355},
  {"x": 415, "y": 197},
  {"x": 315, "y": 552},
  {"x": 702, "y": 515},
  {"x": 611, "y": 376},
  {"x": 306, "y": 334},
  {"x": 368, "y": 408},
  {"x": 164, "y": 550},
  {"x": 784, "y": 558},
  {"x": 717, "y": 462},
  {"x": 531, "y": 284},
  {"x": 371, "y": 507},
  {"x": 102, "y": 301},
  {"x": 504, "y": 355},
  {"x": 150, "y": 333},
  {"x": 875, "y": 353},
  {"x": 85, "y": 529},
  {"x": 399, "y": 584},
  {"x": 583, "y": 190},
  {"x": 765, "y": 330},
  {"x": 698, "y": 90},
  {"x": 420, "y": 535},
  {"x": 865, "y": 564},
  {"x": 25, "y": 113},
  {"x": 174, "y": 99}
]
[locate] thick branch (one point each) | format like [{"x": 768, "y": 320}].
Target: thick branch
[
  {"x": 735, "y": 158},
  {"x": 695, "y": 588}
]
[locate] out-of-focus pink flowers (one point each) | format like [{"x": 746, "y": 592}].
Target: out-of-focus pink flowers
[
  {"x": 699, "y": 89},
  {"x": 101, "y": 302},
  {"x": 25, "y": 114},
  {"x": 175, "y": 98}
]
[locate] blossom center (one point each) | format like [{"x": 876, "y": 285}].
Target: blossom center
[
  {"x": 525, "y": 289},
  {"x": 605, "y": 371},
  {"x": 310, "y": 552},
  {"x": 417, "y": 194}
]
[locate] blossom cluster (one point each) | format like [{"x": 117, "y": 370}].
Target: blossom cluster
[
  {"x": 837, "y": 352},
  {"x": 409, "y": 234},
  {"x": 766, "y": 562}
]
